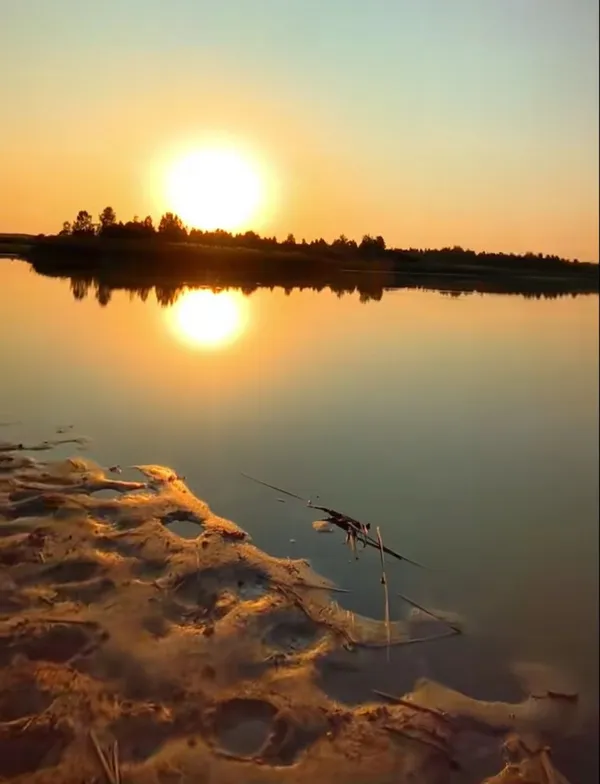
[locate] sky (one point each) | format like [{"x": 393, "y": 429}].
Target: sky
[{"x": 431, "y": 122}]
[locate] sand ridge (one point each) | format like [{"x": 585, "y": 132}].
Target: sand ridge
[{"x": 201, "y": 660}]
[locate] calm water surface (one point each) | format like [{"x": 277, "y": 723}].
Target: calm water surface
[{"x": 465, "y": 428}]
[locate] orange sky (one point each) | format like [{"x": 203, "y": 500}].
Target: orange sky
[{"x": 471, "y": 128}]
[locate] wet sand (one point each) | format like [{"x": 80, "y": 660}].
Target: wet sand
[{"x": 130, "y": 654}]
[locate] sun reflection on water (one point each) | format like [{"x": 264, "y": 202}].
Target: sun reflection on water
[{"x": 203, "y": 318}]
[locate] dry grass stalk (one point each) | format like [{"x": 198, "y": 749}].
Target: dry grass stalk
[
  {"x": 348, "y": 524},
  {"x": 385, "y": 591},
  {"x": 410, "y": 704},
  {"x": 110, "y": 765},
  {"x": 426, "y": 741},
  {"x": 454, "y": 628}
]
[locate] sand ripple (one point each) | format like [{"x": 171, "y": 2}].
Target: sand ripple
[{"x": 201, "y": 658}]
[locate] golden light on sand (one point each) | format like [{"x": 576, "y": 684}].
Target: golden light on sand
[
  {"x": 216, "y": 188},
  {"x": 208, "y": 319}
]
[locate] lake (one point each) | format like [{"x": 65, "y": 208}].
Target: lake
[{"x": 466, "y": 428}]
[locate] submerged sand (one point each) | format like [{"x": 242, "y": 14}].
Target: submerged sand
[{"x": 130, "y": 654}]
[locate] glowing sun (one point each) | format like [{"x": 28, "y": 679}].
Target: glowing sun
[
  {"x": 207, "y": 319},
  {"x": 215, "y": 188}
]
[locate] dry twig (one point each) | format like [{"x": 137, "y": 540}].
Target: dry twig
[
  {"x": 110, "y": 764},
  {"x": 410, "y": 704},
  {"x": 385, "y": 592},
  {"x": 345, "y": 522},
  {"x": 454, "y": 628}
]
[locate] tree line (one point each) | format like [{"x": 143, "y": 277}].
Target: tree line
[{"x": 172, "y": 229}]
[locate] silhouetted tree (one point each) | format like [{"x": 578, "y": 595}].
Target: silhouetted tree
[
  {"x": 83, "y": 224},
  {"x": 319, "y": 245},
  {"x": 107, "y": 219},
  {"x": 66, "y": 229},
  {"x": 372, "y": 246},
  {"x": 342, "y": 243},
  {"x": 171, "y": 227},
  {"x": 250, "y": 239},
  {"x": 135, "y": 229}
]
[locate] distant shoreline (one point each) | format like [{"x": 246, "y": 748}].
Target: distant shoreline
[{"x": 130, "y": 263}]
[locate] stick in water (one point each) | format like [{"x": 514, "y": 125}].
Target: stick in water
[
  {"x": 385, "y": 592},
  {"x": 343, "y": 521},
  {"x": 452, "y": 626}
]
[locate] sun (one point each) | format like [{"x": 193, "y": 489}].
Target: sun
[
  {"x": 215, "y": 188},
  {"x": 208, "y": 319}
]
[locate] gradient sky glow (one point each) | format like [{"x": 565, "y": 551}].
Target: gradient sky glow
[{"x": 432, "y": 122}]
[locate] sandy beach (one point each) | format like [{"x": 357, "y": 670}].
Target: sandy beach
[{"x": 131, "y": 654}]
